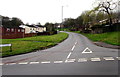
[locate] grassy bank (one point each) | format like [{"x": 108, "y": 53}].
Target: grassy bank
[
  {"x": 109, "y": 37},
  {"x": 29, "y": 44}
]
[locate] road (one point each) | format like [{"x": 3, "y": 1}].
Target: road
[{"x": 69, "y": 57}]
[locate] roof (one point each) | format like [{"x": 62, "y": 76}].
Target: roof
[
  {"x": 35, "y": 26},
  {"x": 11, "y": 26},
  {"x": 39, "y": 25},
  {"x": 30, "y": 25}
]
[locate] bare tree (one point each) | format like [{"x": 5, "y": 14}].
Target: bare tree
[{"x": 106, "y": 6}]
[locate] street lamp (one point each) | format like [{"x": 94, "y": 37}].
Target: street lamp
[
  {"x": 61, "y": 16},
  {"x": 62, "y": 11}
]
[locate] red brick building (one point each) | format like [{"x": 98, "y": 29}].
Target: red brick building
[{"x": 11, "y": 32}]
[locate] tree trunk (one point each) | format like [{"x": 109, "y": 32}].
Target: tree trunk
[{"x": 110, "y": 20}]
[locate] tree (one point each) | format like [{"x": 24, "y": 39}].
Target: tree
[
  {"x": 106, "y": 6},
  {"x": 69, "y": 23},
  {"x": 87, "y": 19},
  {"x": 38, "y": 23},
  {"x": 11, "y": 22},
  {"x": 6, "y": 21},
  {"x": 16, "y": 22},
  {"x": 50, "y": 26},
  {"x": 79, "y": 20}
]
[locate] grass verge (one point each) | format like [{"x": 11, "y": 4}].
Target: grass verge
[
  {"x": 109, "y": 37},
  {"x": 29, "y": 44}
]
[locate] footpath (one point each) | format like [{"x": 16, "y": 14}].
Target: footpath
[{"x": 102, "y": 44}]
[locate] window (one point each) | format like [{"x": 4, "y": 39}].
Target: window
[
  {"x": 18, "y": 30},
  {"x": 22, "y": 30},
  {"x": 8, "y": 29},
  {"x": 12, "y": 30}
]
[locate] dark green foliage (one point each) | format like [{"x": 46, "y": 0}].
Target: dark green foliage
[
  {"x": 49, "y": 26},
  {"x": 11, "y": 22}
]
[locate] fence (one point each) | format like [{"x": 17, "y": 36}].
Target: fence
[
  {"x": 22, "y": 35},
  {"x": 19, "y": 35}
]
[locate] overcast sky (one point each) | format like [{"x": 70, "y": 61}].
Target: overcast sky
[{"x": 34, "y": 11}]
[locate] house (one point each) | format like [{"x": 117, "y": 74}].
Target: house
[
  {"x": 11, "y": 32},
  {"x": 33, "y": 28},
  {"x": 40, "y": 28}
]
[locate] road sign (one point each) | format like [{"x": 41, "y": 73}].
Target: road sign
[
  {"x": 87, "y": 50},
  {"x": 5, "y": 45}
]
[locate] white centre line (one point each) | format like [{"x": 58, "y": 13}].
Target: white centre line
[
  {"x": 34, "y": 62},
  {"x": 23, "y": 63},
  {"x": 69, "y": 55},
  {"x": 70, "y": 60},
  {"x": 118, "y": 58},
  {"x": 45, "y": 62},
  {"x": 1, "y": 64},
  {"x": 73, "y": 48},
  {"x": 58, "y": 61},
  {"x": 95, "y": 59},
  {"x": 75, "y": 43},
  {"x": 108, "y": 58},
  {"x": 11, "y": 64},
  {"x": 82, "y": 60}
]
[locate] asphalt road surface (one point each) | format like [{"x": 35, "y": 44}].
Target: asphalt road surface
[{"x": 77, "y": 55}]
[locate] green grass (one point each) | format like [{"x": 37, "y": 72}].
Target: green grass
[
  {"x": 109, "y": 37},
  {"x": 75, "y": 31},
  {"x": 29, "y": 44},
  {"x": 63, "y": 29}
]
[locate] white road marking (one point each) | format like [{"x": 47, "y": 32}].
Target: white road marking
[
  {"x": 11, "y": 64},
  {"x": 84, "y": 51},
  {"x": 70, "y": 60},
  {"x": 58, "y": 61},
  {"x": 1, "y": 64},
  {"x": 73, "y": 48},
  {"x": 95, "y": 59},
  {"x": 75, "y": 43},
  {"x": 67, "y": 60},
  {"x": 23, "y": 63},
  {"x": 34, "y": 62},
  {"x": 69, "y": 55},
  {"x": 108, "y": 58},
  {"x": 82, "y": 60},
  {"x": 45, "y": 62},
  {"x": 118, "y": 58}
]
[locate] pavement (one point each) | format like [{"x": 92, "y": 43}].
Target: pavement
[
  {"x": 102, "y": 44},
  {"x": 76, "y": 55}
]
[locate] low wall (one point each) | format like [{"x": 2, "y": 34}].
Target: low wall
[
  {"x": 22, "y": 35},
  {"x": 14, "y": 36},
  {"x": 30, "y": 34}
]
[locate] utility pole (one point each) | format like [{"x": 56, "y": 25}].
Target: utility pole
[{"x": 62, "y": 16}]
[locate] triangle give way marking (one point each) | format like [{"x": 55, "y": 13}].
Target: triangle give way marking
[{"x": 87, "y": 50}]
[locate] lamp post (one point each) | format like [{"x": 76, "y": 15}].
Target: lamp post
[{"x": 61, "y": 16}]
